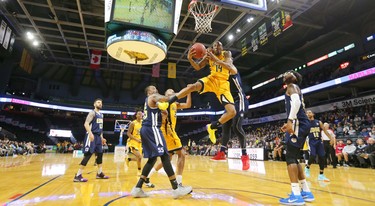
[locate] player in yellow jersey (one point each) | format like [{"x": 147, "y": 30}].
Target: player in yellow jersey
[
  {"x": 174, "y": 144},
  {"x": 221, "y": 66},
  {"x": 134, "y": 142}
]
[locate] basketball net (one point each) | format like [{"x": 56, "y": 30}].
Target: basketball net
[
  {"x": 203, "y": 14},
  {"x": 122, "y": 128}
]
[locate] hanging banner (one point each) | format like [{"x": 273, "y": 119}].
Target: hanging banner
[
  {"x": 286, "y": 20},
  {"x": 156, "y": 70},
  {"x": 171, "y": 70},
  {"x": 243, "y": 47},
  {"x": 276, "y": 24},
  {"x": 7, "y": 38},
  {"x": 254, "y": 41},
  {"x": 262, "y": 30},
  {"x": 2, "y": 31}
]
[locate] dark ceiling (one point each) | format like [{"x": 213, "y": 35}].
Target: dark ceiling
[{"x": 70, "y": 29}]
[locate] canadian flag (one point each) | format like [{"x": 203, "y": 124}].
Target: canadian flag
[{"x": 96, "y": 55}]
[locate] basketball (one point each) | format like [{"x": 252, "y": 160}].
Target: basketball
[{"x": 200, "y": 50}]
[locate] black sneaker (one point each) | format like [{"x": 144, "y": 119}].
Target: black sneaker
[
  {"x": 101, "y": 176},
  {"x": 79, "y": 178}
]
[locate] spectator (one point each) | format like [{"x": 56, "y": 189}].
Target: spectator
[
  {"x": 348, "y": 152},
  {"x": 357, "y": 120},
  {"x": 372, "y": 133},
  {"x": 360, "y": 151},
  {"x": 278, "y": 151},
  {"x": 369, "y": 153},
  {"x": 352, "y": 131},
  {"x": 339, "y": 147}
]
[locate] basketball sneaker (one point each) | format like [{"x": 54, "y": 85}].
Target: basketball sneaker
[
  {"x": 138, "y": 192},
  {"x": 211, "y": 133},
  {"x": 101, "y": 176},
  {"x": 307, "y": 196},
  {"x": 245, "y": 162},
  {"x": 79, "y": 178},
  {"x": 323, "y": 178},
  {"x": 148, "y": 183},
  {"x": 307, "y": 172},
  {"x": 292, "y": 200},
  {"x": 181, "y": 191},
  {"x": 220, "y": 156}
]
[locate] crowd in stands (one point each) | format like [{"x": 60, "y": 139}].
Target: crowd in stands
[
  {"x": 67, "y": 147},
  {"x": 14, "y": 148},
  {"x": 310, "y": 78}
]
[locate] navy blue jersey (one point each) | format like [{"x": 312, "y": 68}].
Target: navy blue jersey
[
  {"x": 301, "y": 114},
  {"x": 97, "y": 123},
  {"x": 238, "y": 94},
  {"x": 151, "y": 117},
  {"x": 315, "y": 130}
]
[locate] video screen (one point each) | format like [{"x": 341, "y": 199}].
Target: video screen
[{"x": 149, "y": 13}]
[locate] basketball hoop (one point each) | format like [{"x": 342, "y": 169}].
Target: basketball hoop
[{"x": 203, "y": 14}]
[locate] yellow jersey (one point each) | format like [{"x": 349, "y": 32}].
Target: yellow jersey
[
  {"x": 137, "y": 129},
  {"x": 219, "y": 71}
]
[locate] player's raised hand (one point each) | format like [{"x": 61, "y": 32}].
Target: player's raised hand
[
  {"x": 191, "y": 53},
  {"x": 104, "y": 140}
]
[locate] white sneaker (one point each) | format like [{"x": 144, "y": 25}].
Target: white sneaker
[
  {"x": 138, "y": 192},
  {"x": 181, "y": 191}
]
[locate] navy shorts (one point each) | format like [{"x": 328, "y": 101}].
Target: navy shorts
[
  {"x": 302, "y": 130},
  {"x": 153, "y": 142},
  {"x": 243, "y": 108},
  {"x": 316, "y": 147},
  {"x": 95, "y": 146}
]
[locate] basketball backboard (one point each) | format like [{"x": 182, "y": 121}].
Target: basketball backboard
[
  {"x": 119, "y": 122},
  {"x": 260, "y": 5}
]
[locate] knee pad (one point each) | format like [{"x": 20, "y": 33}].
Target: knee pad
[
  {"x": 99, "y": 158},
  {"x": 86, "y": 158}
]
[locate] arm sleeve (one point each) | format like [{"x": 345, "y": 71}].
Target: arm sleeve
[{"x": 295, "y": 105}]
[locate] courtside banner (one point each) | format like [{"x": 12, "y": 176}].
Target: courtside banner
[{"x": 254, "y": 153}]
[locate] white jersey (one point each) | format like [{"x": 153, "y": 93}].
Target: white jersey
[{"x": 330, "y": 132}]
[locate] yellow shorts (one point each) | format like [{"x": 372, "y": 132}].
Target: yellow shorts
[
  {"x": 172, "y": 140},
  {"x": 306, "y": 145},
  {"x": 218, "y": 86},
  {"x": 133, "y": 145}
]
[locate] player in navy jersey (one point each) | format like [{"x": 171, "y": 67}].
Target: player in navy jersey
[
  {"x": 94, "y": 141},
  {"x": 297, "y": 128},
  {"x": 154, "y": 145},
  {"x": 316, "y": 146},
  {"x": 241, "y": 104}
]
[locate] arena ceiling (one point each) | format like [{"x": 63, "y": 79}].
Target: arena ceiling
[{"x": 70, "y": 29}]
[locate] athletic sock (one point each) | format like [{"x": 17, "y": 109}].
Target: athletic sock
[
  {"x": 79, "y": 172},
  {"x": 147, "y": 180},
  {"x": 99, "y": 170},
  {"x": 151, "y": 172},
  {"x": 304, "y": 185},
  {"x": 174, "y": 184},
  {"x": 179, "y": 179},
  {"x": 308, "y": 166},
  {"x": 321, "y": 172},
  {"x": 296, "y": 189},
  {"x": 215, "y": 125}
]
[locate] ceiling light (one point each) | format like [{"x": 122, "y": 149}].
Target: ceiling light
[
  {"x": 250, "y": 19},
  {"x": 35, "y": 43},
  {"x": 30, "y": 35},
  {"x": 230, "y": 37},
  {"x": 238, "y": 30}
]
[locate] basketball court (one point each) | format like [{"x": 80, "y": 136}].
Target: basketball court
[{"x": 47, "y": 179}]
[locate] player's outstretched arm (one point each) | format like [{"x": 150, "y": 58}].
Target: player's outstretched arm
[{"x": 186, "y": 104}]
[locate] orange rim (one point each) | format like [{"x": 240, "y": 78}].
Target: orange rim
[{"x": 197, "y": 14}]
